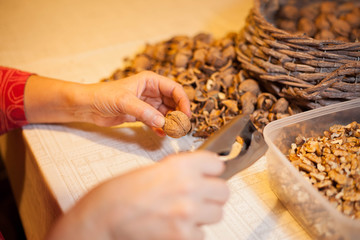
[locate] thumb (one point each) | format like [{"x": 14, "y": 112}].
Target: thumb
[{"x": 144, "y": 112}]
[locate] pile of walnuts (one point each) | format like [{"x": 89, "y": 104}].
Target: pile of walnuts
[
  {"x": 326, "y": 20},
  {"x": 210, "y": 73}
]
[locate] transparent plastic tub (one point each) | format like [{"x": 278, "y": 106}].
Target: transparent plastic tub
[{"x": 307, "y": 205}]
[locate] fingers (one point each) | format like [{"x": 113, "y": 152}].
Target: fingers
[
  {"x": 142, "y": 111},
  {"x": 197, "y": 234},
  {"x": 175, "y": 96},
  {"x": 159, "y": 131},
  {"x": 182, "y": 100},
  {"x": 173, "y": 92},
  {"x": 208, "y": 163},
  {"x": 201, "y": 186},
  {"x": 208, "y": 213},
  {"x": 188, "y": 230},
  {"x": 214, "y": 190},
  {"x": 191, "y": 214},
  {"x": 207, "y": 203},
  {"x": 150, "y": 96}
]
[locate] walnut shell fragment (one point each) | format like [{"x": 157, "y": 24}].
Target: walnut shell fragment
[{"x": 177, "y": 124}]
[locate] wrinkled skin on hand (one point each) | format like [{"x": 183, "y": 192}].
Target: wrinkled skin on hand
[
  {"x": 146, "y": 97},
  {"x": 171, "y": 199}
]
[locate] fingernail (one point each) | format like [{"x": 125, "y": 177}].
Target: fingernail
[
  {"x": 160, "y": 132},
  {"x": 159, "y": 121}
]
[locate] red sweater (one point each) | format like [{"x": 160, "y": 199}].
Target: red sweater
[{"x": 12, "y": 85}]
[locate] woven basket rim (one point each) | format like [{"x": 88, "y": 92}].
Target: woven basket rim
[
  {"x": 258, "y": 12},
  {"x": 296, "y": 66}
]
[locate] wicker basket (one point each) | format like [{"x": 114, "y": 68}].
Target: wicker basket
[{"x": 306, "y": 71}]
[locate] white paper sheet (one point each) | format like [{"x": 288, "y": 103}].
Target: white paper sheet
[{"x": 76, "y": 157}]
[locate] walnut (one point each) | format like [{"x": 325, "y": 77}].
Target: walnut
[
  {"x": 249, "y": 85},
  {"x": 322, "y": 20},
  {"x": 289, "y": 12},
  {"x": 328, "y": 7},
  {"x": 352, "y": 19},
  {"x": 211, "y": 75},
  {"x": 307, "y": 26},
  {"x": 325, "y": 35},
  {"x": 229, "y": 52},
  {"x": 181, "y": 60},
  {"x": 141, "y": 62},
  {"x": 355, "y": 35},
  {"x": 310, "y": 11},
  {"x": 341, "y": 27},
  {"x": 280, "y": 106},
  {"x": 248, "y": 101},
  {"x": 177, "y": 124},
  {"x": 345, "y": 7},
  {"x": 287, "y": 25}
]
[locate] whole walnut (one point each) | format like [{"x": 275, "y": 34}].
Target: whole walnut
[
  {"x": 289, "y": 12},
  {"x": 325, "y": 35},
  {"x": 177, "y": 124},
  {"x": 355, "y": 35},
  {"x": 328, "y": 7},
  {"x": 307, "y": 26},
  {"x": 249, "y": 85},
  {"x": 341, "y": 27},
  {"x": 280, "y": 106},
  {"x": 181, "y": 60},
  {"x": 248, "y": 101},
  {"x": 352, "y": 19},
  {"x": 322, "y": 22},
  {"x": 345, "y": 8},
  {"x": 287, "y": 25},
  {"x": 310, "y": 11},
  {"x": 142, "y": 62}
]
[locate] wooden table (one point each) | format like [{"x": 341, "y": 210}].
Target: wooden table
[{"x": 52, "y": 166}]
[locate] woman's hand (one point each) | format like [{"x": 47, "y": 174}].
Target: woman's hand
[
  {"x": 168, "y": 200},
  {"x": 145, "y": 97}
]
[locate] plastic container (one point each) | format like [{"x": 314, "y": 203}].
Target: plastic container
[{"x": 306, "y": 204}]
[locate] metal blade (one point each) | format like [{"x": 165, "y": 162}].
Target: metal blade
[{"x": 236, "y": 157}]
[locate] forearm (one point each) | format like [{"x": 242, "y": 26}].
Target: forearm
[
  {"x": 145, "y": 97},
  {"x": 49, "y": 100}
]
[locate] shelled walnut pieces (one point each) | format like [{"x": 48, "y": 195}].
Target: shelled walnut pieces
[{"x": 332, "y": 164}]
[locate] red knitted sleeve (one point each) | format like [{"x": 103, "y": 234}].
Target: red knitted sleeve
[{"x": 12, "y": 85}]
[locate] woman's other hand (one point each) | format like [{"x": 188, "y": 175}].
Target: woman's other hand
[{"x": 168, "y": 200}]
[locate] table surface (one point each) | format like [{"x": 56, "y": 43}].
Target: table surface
[{"x": 85, "y": 41}]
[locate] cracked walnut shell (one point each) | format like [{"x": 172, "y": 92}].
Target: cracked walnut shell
[{"x": 177, "y": 124}]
